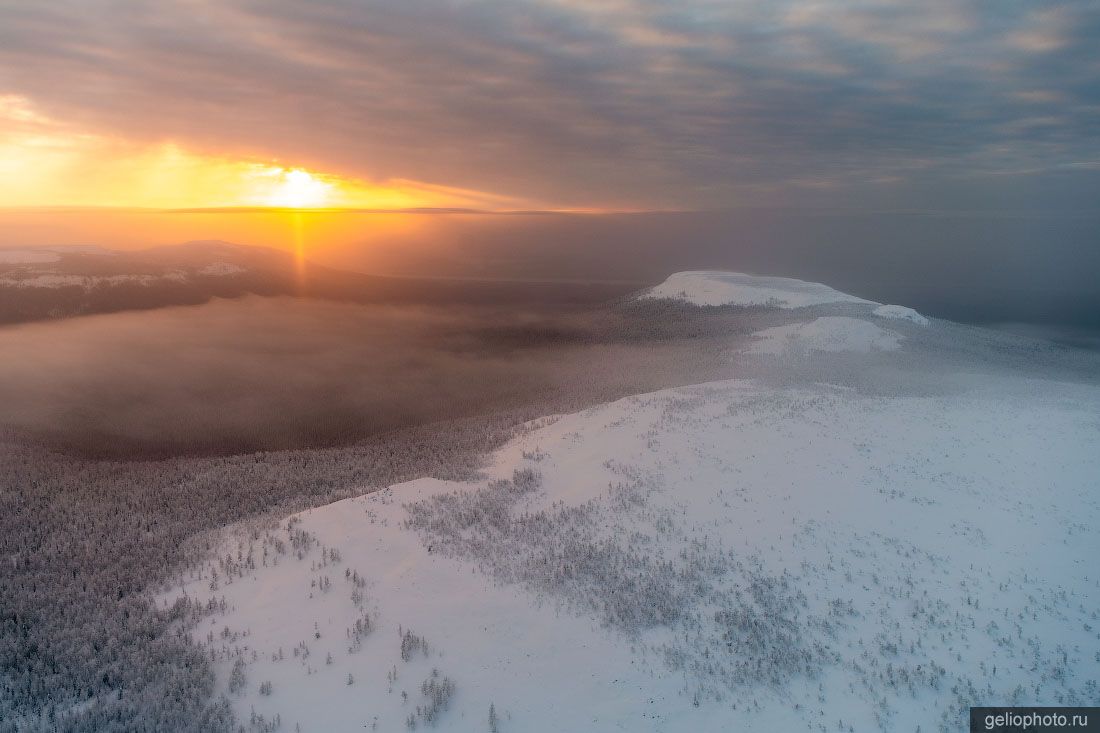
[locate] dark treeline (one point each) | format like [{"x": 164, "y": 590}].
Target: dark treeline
[{"x": 84, "y": 544}]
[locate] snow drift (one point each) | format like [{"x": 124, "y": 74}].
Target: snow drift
[{"x": 828, "y": 333}]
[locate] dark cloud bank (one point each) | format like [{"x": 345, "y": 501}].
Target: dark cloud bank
[{"x": 693, "y": 104}]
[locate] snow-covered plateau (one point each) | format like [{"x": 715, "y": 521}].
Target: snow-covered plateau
[
  {"x": 716, "y": 288},
  {"x": 787, "y": 553}
]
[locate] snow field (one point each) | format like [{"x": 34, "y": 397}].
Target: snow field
[{"x": 713, "y": 557}]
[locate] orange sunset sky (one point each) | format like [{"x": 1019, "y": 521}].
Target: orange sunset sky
[{"x": 553, "y": 104}]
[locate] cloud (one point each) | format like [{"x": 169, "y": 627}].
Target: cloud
[{"x": 570, "y": 103}]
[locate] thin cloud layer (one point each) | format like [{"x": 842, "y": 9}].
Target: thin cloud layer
[{"x": 583, "y": 102}]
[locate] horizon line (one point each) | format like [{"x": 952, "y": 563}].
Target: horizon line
[
  {"x": 67, "y": 208},
  {"x": 1015, "y": 213}
]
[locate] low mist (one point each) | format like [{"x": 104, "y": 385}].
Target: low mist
[
  {"x": 270, "y": 373},
  {"x": 1011, "y": 265}
]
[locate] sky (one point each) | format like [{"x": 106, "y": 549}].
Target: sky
[{"x": 587, "y": 105}]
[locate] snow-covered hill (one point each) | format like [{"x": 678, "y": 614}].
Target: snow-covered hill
[
  {"x": 720, "y": 288},
  {"x": 724, "y": 556},
  {"x": 714, "y": 288}
]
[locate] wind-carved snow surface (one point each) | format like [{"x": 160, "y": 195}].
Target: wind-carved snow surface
[
  {"x": 716, "y": 288},
  {"x": 726, "y": 556},
  {"x": 900, "y": 312},
  {"x": 828, "y": 333}
]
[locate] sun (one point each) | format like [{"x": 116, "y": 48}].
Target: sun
[{"x": 298, "y": 189}]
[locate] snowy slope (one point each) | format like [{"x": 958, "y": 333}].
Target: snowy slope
[
  {"x": 828, "y": 333},
  {"x": 725, "y": 556},
  {"x": 915, "y": 543},
  {"x": 900, "y": 312}
]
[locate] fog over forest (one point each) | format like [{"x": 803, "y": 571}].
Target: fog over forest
[{"x": 268, "y": 373}]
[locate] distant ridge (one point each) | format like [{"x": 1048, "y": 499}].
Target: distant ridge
[{"x": 43, "y": 283}]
